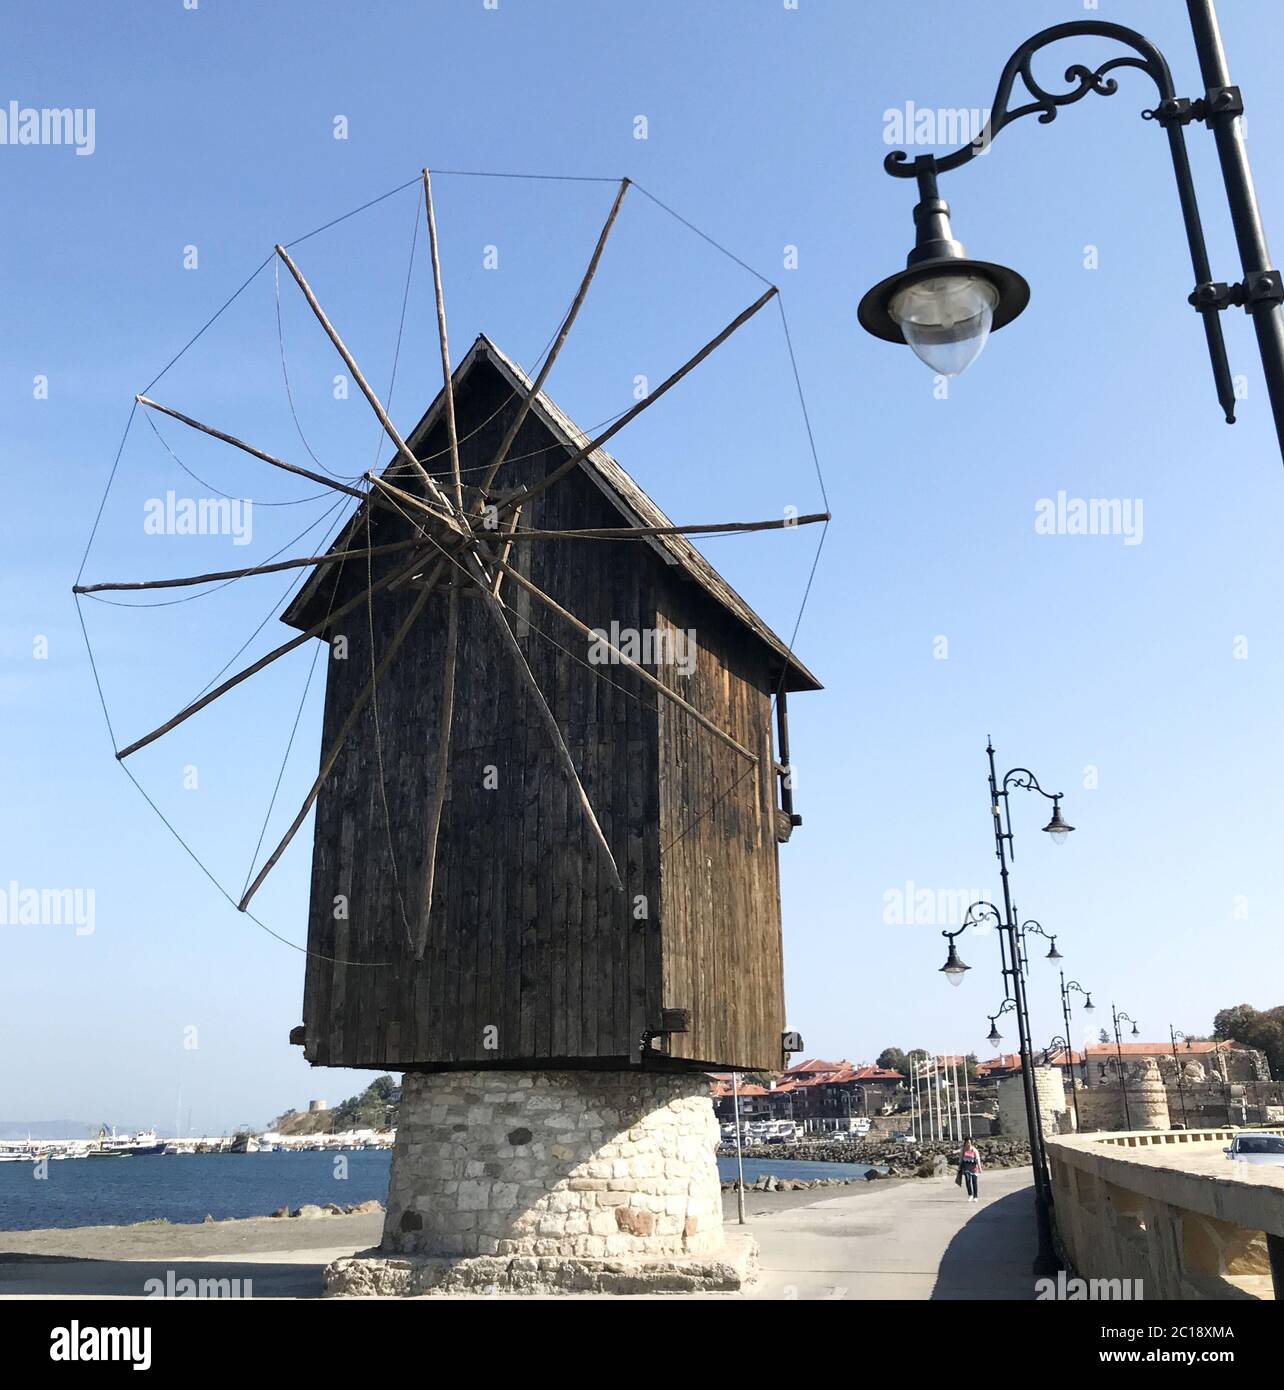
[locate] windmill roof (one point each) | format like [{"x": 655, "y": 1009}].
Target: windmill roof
[{"x": 621, "y": 490}]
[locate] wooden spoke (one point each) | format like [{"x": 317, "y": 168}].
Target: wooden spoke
[
  {"x": 445, "y": 720},
  {"x": 448, "y": 385},
  {"x": 550, "y": 722},
  {"x": 232, "y": 681},
  {"x": 250, "y": 449},
  {"x": 580, "y": 455},
  {"x": 510, "y": 434},
  {"x": 617, "y": 533},
  {"x": 336, "y": 747},
  {"x": 375, "y": 404},
  {"x": 416, "y": 503},
  {"x": 504, "y": 549},
  {"x": 703, "y": 720},
  {"x": 273, "y": 568}
]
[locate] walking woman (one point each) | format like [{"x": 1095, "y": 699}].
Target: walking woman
[{"x": 969, "y": 1168}]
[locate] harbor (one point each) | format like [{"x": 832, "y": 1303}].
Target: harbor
[
  {"x": 146, "y": 1144},
  {"x": 39, "y": 1190}
]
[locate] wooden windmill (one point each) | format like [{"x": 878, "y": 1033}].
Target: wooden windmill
[{"x": 537, "y": 843}]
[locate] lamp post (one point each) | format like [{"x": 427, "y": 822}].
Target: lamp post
[
  {"x": 984, "y": 914},
  {"x": 994, "y": 1038},
  {"x": 1010, "y": 954},
  {"x": 1119, "y": 1018},
  {"x": 1058, "y": 830},
  {"x": 1032, "y": 928},
  {"x": 1174, "y": 1034},
  {"x": 1066, "y": 990},
  {"x": 945, "y": 305}
]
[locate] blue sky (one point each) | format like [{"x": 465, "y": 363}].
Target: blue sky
[{"x": 1089, "y": 660}]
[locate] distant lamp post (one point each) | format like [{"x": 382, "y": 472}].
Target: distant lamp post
[
  {"x": 1033, "y": 928},
  {"x": 1120, "y": 1017},
  {"x": 945, "y": 306},
  {"x": 1074, "y": 987},
  {"x": 1058, "y": 1045},
  {"x": 1174, "y": 1034}
]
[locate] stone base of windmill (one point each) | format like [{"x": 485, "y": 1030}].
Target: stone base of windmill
[{"x": 552, "y": 1182}]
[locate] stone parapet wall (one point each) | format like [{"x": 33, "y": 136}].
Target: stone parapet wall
[
  {"x": 1165, "y": 1212},
  {"x": 575, "y": 1163}
]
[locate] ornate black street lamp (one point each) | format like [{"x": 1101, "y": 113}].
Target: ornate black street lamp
[
  {"x": 1066, "y": 990},
  {"x": 945, "y": 305},
  {"x": 1174, "y": 1034},
  {"x": 1057, "y": 830},
  {"x": 1033, "y": 928},
  {"x": 1119, "y": 1017},
  {"x": 985, "y": 914},
  {"x": 1011, "y": 960},
  {"x": 995, "y": 1037}
]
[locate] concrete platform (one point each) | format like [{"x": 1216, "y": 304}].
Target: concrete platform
[{"x": 372, "y": 1274}]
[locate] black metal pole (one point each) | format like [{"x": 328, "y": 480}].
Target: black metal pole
[
  {"x": 1181, "y": 1090},
  {"x": 1275, "y": 1252},
  {"x": 1228, "y": 131},
  {"x": 1023, "y": 1016},
  {"x": 1045, "y": 1262},
  {"x": 1123, "y": 1084},
  {"x": 1065, "y": 1014}
]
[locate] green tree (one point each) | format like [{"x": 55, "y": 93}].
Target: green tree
[
  {"x": 893, "y": 1059},
  {"x": 369, "y": 1110},
  {"x": 1263, "y": 1029}
]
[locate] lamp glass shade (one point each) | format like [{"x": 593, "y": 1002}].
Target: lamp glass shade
[
  {"x": 954, "y": 969},
  {"x": 1053, "y": 953},
  {"x": 1089, "y": 1007},
  {"x": 946, "y": 319},
  {"x": 995, "y": 1037}
]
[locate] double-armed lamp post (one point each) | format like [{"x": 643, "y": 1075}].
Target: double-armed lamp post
[
  {"x": 1174, "y": 1034},
  {"x": 1032, "y": 928},
  {"x": 1120, "y": 1017},
  {"x": 945, "y": 305},
  {"x": 1074, "y": 987},
  {"x": 1012, "y": 955}
]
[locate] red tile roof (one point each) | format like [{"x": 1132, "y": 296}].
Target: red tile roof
[
  {"x": 815, "y": 1064},
  {"x": 1145, "y": 1049}
]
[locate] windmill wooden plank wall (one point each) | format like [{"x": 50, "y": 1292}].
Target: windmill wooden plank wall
[{"x": 533, "y": 957}]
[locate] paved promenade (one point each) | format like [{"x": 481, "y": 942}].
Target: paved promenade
[
  {"x": 910, "y": 1239},
  {"x": 917, "y": 1239}
]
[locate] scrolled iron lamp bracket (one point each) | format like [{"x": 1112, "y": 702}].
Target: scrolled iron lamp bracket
[{"x": 886, "y": 310}]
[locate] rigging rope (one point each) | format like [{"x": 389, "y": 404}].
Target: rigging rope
[{"x": 395, "y": 472}]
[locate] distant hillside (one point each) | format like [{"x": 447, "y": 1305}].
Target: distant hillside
[{"x": 374, "y": 1108}]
